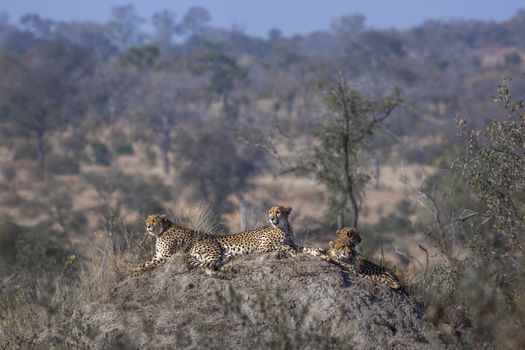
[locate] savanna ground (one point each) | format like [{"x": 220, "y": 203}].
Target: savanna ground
[{"x": 99, "y": 129}]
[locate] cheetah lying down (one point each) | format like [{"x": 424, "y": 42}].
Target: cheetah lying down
[
  {"x": 210, "y": 252},
  {"x": 343, "y": 253},
  {"x": 213, "y": 252},
  {"x": 171, "y": 238}
]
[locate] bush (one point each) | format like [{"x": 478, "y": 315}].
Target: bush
[
  {"x": 62, "y": 165},
  {"x": 477, "y": 295},
  {"x": 101, "y": 153},
  {"x": 123, "y": 149},
  {"x": 8, "y": 235},
  {"x": 121, "y": 145}
]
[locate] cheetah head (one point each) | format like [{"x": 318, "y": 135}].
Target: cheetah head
[
  {"x": 349, "y": 233},
  {"x": 279, "y": 215},
  {"x": 156, "y": 224},
  {"x": 342, "y": 250},
  {"x": 347, "y": 243}
]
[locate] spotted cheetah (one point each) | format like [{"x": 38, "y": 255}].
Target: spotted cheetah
[
  {"x": 170, "y": 238},
  {"x": 346, "y": 243},
  {"x": 212, "y": 253},
  {"x": 343, "y": 253}
]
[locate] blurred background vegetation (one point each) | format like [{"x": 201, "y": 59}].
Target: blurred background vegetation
[{"x": 414, "y": 132}]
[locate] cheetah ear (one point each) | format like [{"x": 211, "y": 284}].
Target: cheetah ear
[
  {"x": 163, "y": 217},
  {"x": 288, "y": 210}
]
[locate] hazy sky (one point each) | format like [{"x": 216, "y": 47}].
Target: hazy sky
[{"x": 291, "y": 16}]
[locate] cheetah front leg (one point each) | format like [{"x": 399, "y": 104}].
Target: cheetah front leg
[
  {"x": 344, "y": 265},
  {"x": 290, "y": 250},
  {"x": 315, "y": 251},
  {"x": 150, "y": 264},
  {"x": 323, "y": 255}
]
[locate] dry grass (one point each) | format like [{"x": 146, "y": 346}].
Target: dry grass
[
  {"x": 98, "y": 303},
  {"x": 198, "y": 217},
  {"x": 46, "y": 309}
]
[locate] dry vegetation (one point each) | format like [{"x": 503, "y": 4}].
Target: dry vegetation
[
  {"x": 98, "y": 130},
  {"x": 271, "y": 301}
]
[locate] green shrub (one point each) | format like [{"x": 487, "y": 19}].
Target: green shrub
[
  {"x": 62, "y": 165},
  {"x": 121, "y": 146},
  {"x": 8, "y": 235},
  {"x": 478, "y": 226},
  {"x": 101, "y": 153},
  {"x": 123, "y": 149}
]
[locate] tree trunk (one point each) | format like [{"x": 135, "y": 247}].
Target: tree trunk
[
  {"x": 40, "y": 154},
  {"x": 165, "y": 149},
  {"x": 349, "y": 191},
  {"x": 165, "y": 143},
  {"x": 355, "y": 206},
  {"x": 341, "y": 218}
]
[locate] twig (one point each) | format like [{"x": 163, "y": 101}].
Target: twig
[{"x": 465, "y": 216}]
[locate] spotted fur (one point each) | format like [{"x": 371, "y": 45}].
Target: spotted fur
[
  {"x": 343, "y": 253},
  {"x": 170, "y": 238},
  {"x": 212, "y": 253}
]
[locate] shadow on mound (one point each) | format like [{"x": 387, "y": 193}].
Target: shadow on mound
[{"x": 270, "y": 301}]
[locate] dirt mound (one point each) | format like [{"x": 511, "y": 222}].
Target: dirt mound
[{"x": 270, "y": 301}]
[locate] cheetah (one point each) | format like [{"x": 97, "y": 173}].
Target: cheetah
[
  {"x": 343, "y": 252},
  {"x": 170, "y": 238},
  {"x": 346, "y": 244},
  {"x": 212, "y": 253}
]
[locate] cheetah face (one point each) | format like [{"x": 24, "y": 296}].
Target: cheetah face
[
  {"x": 345, "y": 250},
  {"x": 344, "y": 253},
  {"x": 155, "y": 224},
  {"x": 278, "y": 215}
]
